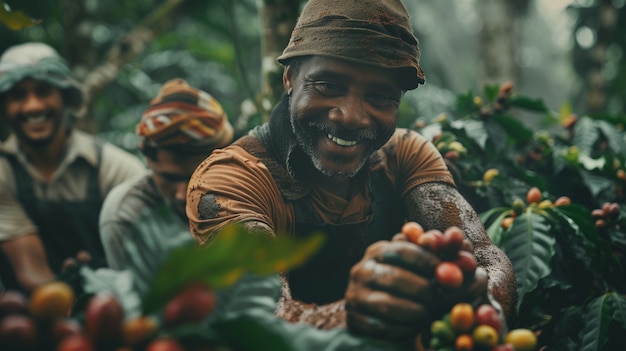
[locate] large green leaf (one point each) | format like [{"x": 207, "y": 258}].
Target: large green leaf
[
  {"x": 536, "y": 105},
  {"x": 257, "y": 333},
  {"x": 565, "y": 336},
  {"x": 596, "y": 183},
  {"x": 515, "y": 129},
  {"x": 614, "y": 137},
  {"x": 495, "y": 230},
  {"x": 15, "y": 20},
  {"x": 529, "y": 245},
  {"x": 598, "y": 315},
  {"x": 619, "y": 312},
  {"x": 233, "y": 252},
  {"x": 585, "y": 135},
  {"x": 474, "y": 130}
]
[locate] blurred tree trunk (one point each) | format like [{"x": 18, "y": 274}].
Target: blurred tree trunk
[
  {"x": 499, "y": 39},
  {"x": 94, "y": 75},
  {"x": 278, "y": 18},
  {"x": 591, "y": 62}
]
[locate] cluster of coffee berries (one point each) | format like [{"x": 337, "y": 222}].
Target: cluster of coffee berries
[
  {"x": 465, "y": 329},
  {"x": 607, "y": 215},
  {"x": 451, "y": 150},
  {"x": 456, "y": 263},
  {"x": 534, "y": 199},
  {"x": 44, "y": 321}
]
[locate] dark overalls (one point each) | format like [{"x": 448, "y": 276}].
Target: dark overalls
[
  {"x": 65, "y": 227},
  {"x": 324, "y": 277}
]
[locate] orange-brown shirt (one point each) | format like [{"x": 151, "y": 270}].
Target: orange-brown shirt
[{"x": 245, "y": 190}]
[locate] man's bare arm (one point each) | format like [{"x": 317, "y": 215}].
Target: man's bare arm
[
  {"x": 439, "y": 206},
  {"x": 28, "y": 259}
]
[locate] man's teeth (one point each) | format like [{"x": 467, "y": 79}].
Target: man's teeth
[
  {"x": 36, "y": 120},
  {"x": 340, "y": 141}
]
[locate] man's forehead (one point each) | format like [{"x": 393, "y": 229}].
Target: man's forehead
[
  {"x": 29, "y": 83},
  {"x": 339, "y": 68}
]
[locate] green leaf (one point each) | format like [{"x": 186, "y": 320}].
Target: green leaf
[
  {"x": 530, "y": 247},
  {"x": 619, "y": 312},
  {"x": 233, "y": 252},
  {"x": 585, "y": 135},
  {"x": 15, "y": 20},
  {"x": 614, "y": 137},
  {"x": 465, "y": 103},
  {"x": 495, "y": 230},
  {"x": 597, "y": 317},
  {"x": 591, "y": 163},
  {"x": 529, "y": 104},
  {"x": 491, "y": 91},
  {"x": 474, "y": 130},
  {"x": 515, "y": 129},
  {"x": 596, "y": 183},
  {"x": 256, "y": 333}
]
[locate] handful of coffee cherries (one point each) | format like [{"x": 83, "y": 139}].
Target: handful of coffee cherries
[{"x": 465, "y": 327}]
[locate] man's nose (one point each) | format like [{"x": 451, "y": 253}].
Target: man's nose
[
  {"x": 32, "y": 102},
  {"x": 351, "y": 112}
]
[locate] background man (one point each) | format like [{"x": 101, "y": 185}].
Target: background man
[
  {"x": 144, "y": 217},
  {"x": 53, "y": 177},
  {"x": 331, "y": 159}
]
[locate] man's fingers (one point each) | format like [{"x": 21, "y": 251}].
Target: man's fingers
[
  {"x": 392, "y": 279},
  {"x": 373, "y": 326},
  {"x": 408, "y": 256},
  {"x": 383, "y": 305}
]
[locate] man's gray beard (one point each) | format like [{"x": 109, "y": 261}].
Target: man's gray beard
[{"x": 305, "y": 142}]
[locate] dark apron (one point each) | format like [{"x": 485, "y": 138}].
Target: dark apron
[
  {"x": 65, "y": 228},
  {"x": 324, "y": 277}
]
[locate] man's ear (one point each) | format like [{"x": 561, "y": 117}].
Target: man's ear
[{"x": 287, "y": 75}]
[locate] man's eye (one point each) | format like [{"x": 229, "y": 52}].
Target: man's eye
[
  {"x": 328, "y": 87},
  {"x": 382, "y": 100},
  {"x": 16, "y": 94}
]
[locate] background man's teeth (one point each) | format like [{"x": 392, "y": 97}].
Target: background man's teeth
[{"x": 36, "y": 120}]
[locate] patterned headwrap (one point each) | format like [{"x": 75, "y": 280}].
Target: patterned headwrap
[
  {"x": 372, "y": 32},
  {"x": 184, "y": 118},
  {"x": 40, "y": 62}
]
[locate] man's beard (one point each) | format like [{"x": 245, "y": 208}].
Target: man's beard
[{"x": 306, "y": 135}]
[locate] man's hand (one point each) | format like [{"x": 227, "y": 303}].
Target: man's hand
[{"x": 393, "y": 293}]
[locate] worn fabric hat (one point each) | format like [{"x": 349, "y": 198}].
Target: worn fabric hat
[
  {"x": 40, "y": 62},
  {"x": 185, "y": 118},
  {"x": 372, "y": 32}
]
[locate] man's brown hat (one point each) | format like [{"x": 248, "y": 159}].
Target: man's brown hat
[{"x": 372, "y": 32}]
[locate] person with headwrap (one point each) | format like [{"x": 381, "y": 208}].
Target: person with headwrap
[
  {"x": 53, "y": 177},
  {"x": 331, "y": 159},
  {"x": 143, "y": 218}
]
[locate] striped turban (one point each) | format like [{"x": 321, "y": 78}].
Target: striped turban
[{"x": 184, "y": 118}]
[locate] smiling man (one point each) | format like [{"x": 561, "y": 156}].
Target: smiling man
[
  {"x": 331, "y": 159},
  {"x": 143, "y": 218},
  {"x": 53, "y": 178}
]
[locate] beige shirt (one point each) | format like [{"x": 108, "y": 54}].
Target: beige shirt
[{"x": 69, "y": 182}]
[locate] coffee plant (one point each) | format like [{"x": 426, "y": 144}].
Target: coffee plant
[{"x": 552, "y": 200}]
